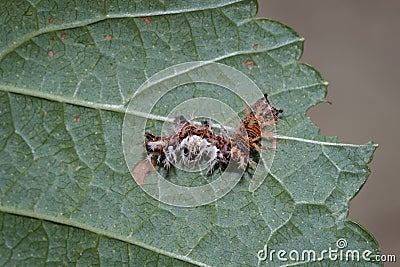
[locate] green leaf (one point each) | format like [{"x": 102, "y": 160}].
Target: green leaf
[
  {"x": 32, "y": 242},
  {"x": 68, "y": 70}
]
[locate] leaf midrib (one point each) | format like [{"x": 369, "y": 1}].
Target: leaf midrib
[{"x": 122, "y": 109}]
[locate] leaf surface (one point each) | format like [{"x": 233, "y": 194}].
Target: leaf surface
[{"x": 68, "y": 70}]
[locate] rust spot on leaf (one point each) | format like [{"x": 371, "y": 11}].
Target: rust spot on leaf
[
  {"x": 51, "y": 19},
  {"x": 77, "y": 119},
  {"x": 52, "y": 39},
  {"x": 255, "y": 46},
  {"x": 146, "y": 20},
  {"x": 108, "y": 36},
  {"x": 50, "y": 54},
  {"x": 250, "y": 63},
  {"x": 141, "y": 169},
  {"x": 63, "y": 36}
]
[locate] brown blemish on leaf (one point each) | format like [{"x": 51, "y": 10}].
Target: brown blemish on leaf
[
  {"x": 50, "y": 54},
  {"x": 108, "y": 36},
  {"x": 250, "y": 63},
  {"x": 146, "y": 20},
  {"x": 141, "y": 169},
  {"x": 51, "y": 19},
  {"x": 77, "y": 119},
  {"x": 255, "y": 46},
  {"x": 63, "y": 36},
  {"x": 52, "y": 39}
]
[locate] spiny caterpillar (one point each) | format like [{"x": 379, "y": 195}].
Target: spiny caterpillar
[{"x": 190, "y": 143}]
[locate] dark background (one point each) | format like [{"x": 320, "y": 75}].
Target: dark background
[{"x": 355, "y": 45}]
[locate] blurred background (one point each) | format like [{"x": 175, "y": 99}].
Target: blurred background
[{"x": 355, "y": 44}]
